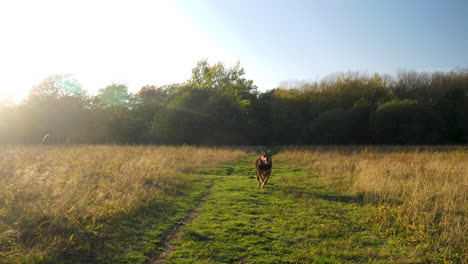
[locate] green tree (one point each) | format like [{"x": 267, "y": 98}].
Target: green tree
[
  {"x": 53, "y": 107},
  {"x": 114, "y": 95},
  {"x": 406, "y": 122},
  {"x": 9, "y": 121},
  {"x": 56, "y": 86},
  {"x": 347, "y": 89},
  {"x": 213, "y": 107},
  {"x": 453, "y": 108},
  {"x": 340, "y": 126},
  {"x": 227, "y": 81}
]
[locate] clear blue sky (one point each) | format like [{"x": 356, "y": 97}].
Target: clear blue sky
[
  {"x": 310, "y": 39},
  {"x": 139, "y": 42}
]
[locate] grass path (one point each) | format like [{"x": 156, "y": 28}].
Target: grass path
[
  {"x": 168, "y": 244},
  {"x": 297, "y": 218}
]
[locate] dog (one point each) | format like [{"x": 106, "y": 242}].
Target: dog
[{"x": 263, "y": 165}]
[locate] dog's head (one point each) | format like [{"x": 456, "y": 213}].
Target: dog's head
[{"x": 265, "y": 157}]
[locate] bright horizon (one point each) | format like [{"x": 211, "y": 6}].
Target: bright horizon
[{"x": 141, "y": 43}]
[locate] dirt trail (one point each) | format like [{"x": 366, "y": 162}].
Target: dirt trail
[{"x": 168, "y": 243}]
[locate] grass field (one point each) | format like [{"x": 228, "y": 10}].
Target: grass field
[
  {"x": 96, "y": 203},
  {"x": 116, "y": 204},
  {"x": 295, "y": 219},
  {"x": 420, "y": 192}
]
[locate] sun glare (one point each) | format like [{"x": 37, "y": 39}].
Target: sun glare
[{"x": 99, "y": 43}]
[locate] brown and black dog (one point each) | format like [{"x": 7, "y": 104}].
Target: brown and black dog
[{"x": 263, "y": 166}]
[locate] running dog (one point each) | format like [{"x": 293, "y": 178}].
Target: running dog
[{"x": 263, "y": 166}]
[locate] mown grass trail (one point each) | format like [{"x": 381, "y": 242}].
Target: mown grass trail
[{"x": 297, "y": 218}]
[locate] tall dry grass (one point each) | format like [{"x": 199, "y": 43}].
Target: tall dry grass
[
  {"x": 47, "y": 190},
  {"x": 421, "y": 191}
]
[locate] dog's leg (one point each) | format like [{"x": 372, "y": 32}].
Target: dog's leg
[
  {"x": 262, "y": 179},
  {"x": 267, "y": 177},
  {"x": 259, "y": 179}
]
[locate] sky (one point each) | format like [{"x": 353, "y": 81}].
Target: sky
[{"x": 150, "y": 42}]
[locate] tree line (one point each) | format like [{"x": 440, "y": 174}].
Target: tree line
[{"x": 219, "y": 106}]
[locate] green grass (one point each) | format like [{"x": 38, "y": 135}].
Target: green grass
[
  {"x": 97, "y": 204},
  {"x": 297, "y": 218},
  {"x": 134, "y": 237}
]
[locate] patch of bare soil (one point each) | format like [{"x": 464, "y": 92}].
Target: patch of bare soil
[{"x": 168, "y": 242}]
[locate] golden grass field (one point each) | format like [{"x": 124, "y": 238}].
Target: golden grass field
[
  {"x": 49, "y": 195},
  {"x": 47, "y": 190},
  {"x": 421, "y": 191}
]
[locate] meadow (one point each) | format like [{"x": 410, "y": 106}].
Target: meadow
[
  {"x": 420, "y": 192},
  {"x": 117, "y": 204},
  {"x": 95, "y": 203}
]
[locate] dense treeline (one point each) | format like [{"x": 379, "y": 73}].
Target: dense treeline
[{"x": 218, "y": 105}]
